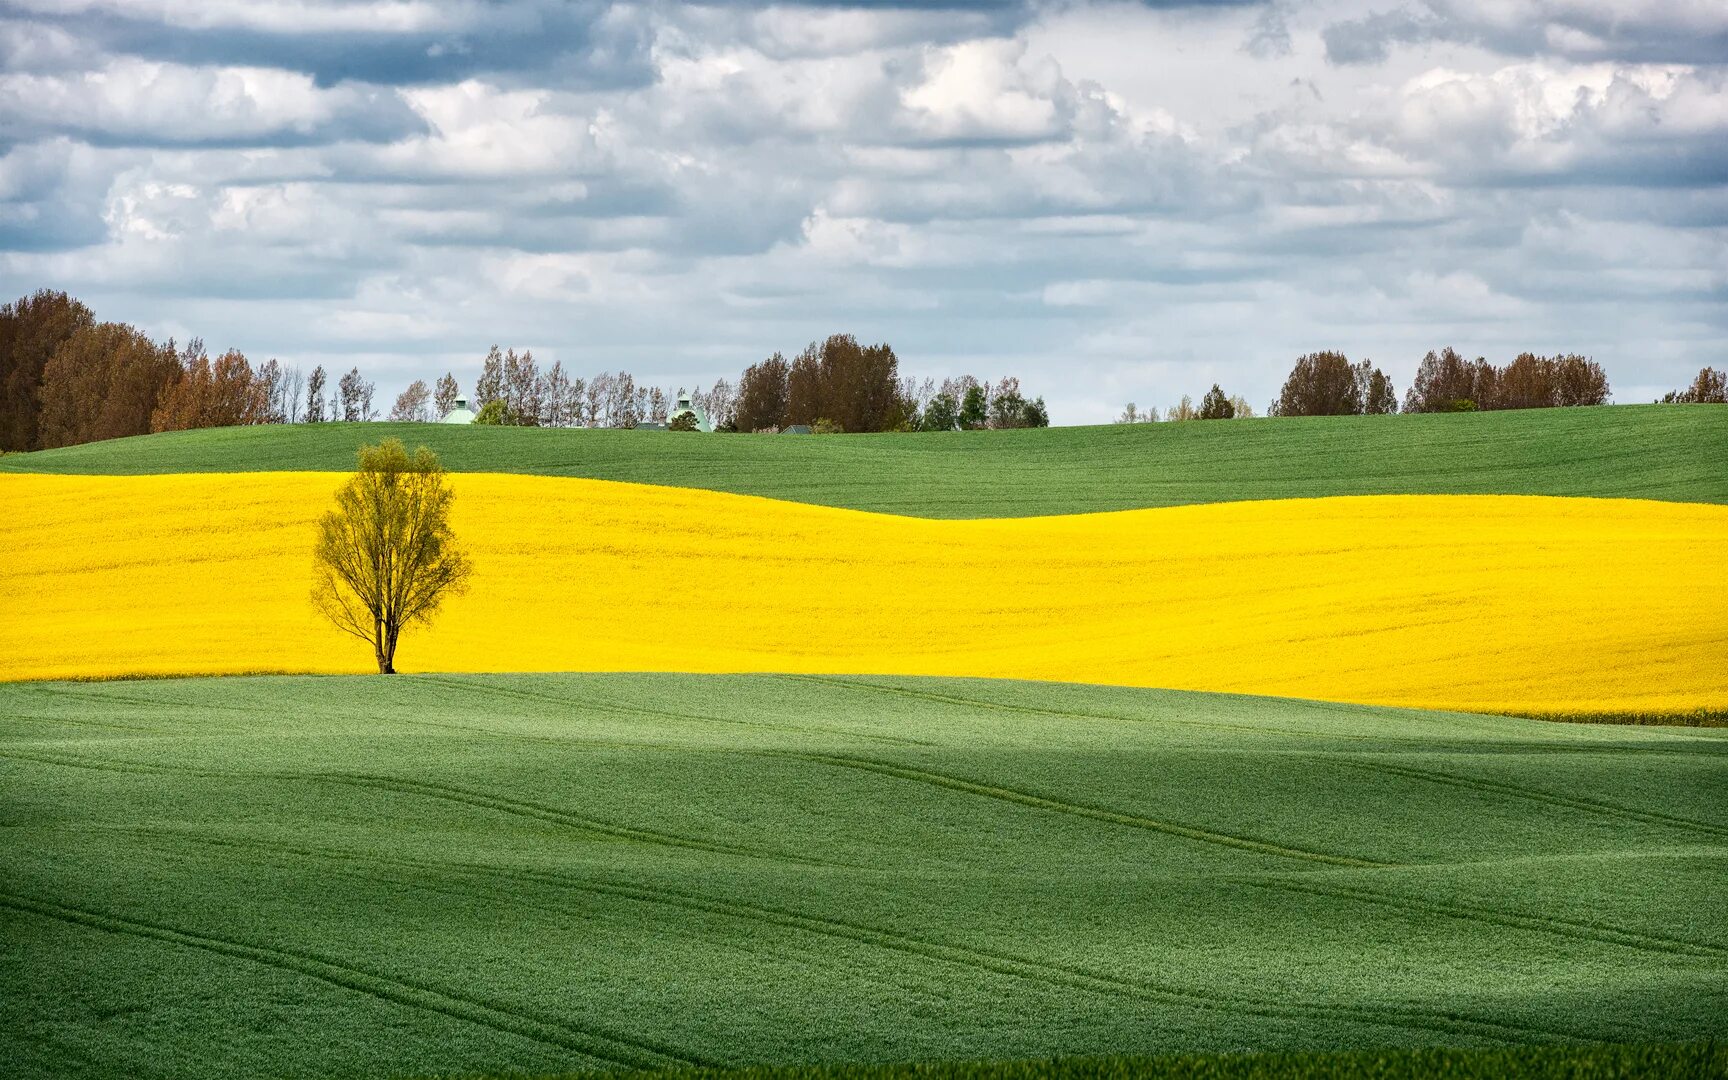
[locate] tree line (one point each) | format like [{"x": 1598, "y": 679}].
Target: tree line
[
  {"x": 840, "y": 385},
  {"x": 66, "y": 378},
  {"x": 513, "y": 390},
  {"x": 1328, "y": 384},
  {"x": 834, "y": 385},
  {"x": 1709, "y": 388}
]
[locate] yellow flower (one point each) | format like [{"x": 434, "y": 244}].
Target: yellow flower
[{"x": 1469, "y": 602}]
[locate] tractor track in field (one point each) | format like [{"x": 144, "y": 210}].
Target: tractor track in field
[
  {"x": 123, "y": 699},
  {"x": 1536, "y": 795},
  {"x": 1478, "y": 912},
  {"x": 882, "y": 768},
  {"x": 1043, "y": 802},
  {"x": 525, "y": 808},
  {"x": 664, "y": 714},
  {"x": 1065, "y": 714},
  {"x": 624, "y": 1051},
  {"x": 449, "y": 793},
  {"x": 70, "y": 722},
  {"x": 973, "y": 958},
  {"x": 1422, "y": 743}
]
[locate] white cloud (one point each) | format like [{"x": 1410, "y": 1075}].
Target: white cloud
[{"x": 1111, "y": 201}]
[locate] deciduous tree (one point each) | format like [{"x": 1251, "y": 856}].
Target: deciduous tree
[
  {"x": 444, "y": 396},
  {"x": 413, "y": 404},
  {"x": 386, "y": 556},
  {"x": 104, "y": 382},
  {"x": 1709, "y": 388},
  {"x": 315, "y": 396},
  {"x": 31, "y": 329}
]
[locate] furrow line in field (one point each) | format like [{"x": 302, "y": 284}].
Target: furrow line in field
[
  {"x": 70, "y": 722},
  {"x": 970, "y": 957},
  {"x": 1066, "y": 714},
  {"x": 74, "y": 761},
  {"x": 449, "y": 793},
  {"x": 123, "y": 699},
  {"x": 665, "y": 714},
  {"x": 546, "y": 813},
  {"x": 1098, "y": 982},
  {"x": 626, "y": 1052},
  {"x": 1519, "y": 791},
  {"x": 1475, "y": 911},
  {"x": 1114, "y": 817}
]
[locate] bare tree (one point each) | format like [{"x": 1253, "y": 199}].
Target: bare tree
[
  {"x": 291, "y": 394},
  {"x": 553, "y": 392},
  {"x": 444, "y": 398},
  {"x": 354, "y": 397},
  {"x": 596, "y": 400},
  {"x": 386, "y": 556},
  {"x": 521, "y": 390},
  {"x": 721, "y": 402},
  {"x": 490, "y": 385},
  {"x": 657, "y": 407},
  {"x": 315, "y": 396},
  {"x": 576, "y": 401},
  {"x": 413, "y": 404}
]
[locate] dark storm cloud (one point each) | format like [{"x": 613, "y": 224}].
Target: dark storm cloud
[{"x": 574, "y": 44}]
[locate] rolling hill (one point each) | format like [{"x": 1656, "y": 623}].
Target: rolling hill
[
  {"x": 1648, "y": 451},
  {"x": 452, "y": 875},
  {"x": 1494, "y": 603}
]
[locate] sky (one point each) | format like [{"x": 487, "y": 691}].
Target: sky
[{"x": 1111, "y": 201}]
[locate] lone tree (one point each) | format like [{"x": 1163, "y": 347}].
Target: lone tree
[
  {"x": 1215, "y": 406},
  {"x": 386, "y": 556}
]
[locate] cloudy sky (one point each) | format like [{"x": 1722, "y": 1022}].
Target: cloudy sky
[{"x": 1113, "y": 201}]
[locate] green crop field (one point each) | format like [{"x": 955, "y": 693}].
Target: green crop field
[
  {"x": 1645, "y": 451},
  {"x": 335, "y": 877}
]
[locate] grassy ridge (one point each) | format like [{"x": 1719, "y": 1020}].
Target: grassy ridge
[
  {"x": 1656, "y": 452},
  {"x": 488, "y": 874}
]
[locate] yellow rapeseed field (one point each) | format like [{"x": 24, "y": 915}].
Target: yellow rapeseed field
[{"x": 1472, "y": 602}]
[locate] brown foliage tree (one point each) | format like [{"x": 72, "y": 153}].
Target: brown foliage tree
[
  {"x": 762, "y": 394},
  {"x": 1321, "y": 384},
  {"x": 1709, "y": 388},
  {"x": 1579, "y": 380},
  {"x": 804, "y": 387},
  {"x": 31, "y": 329},
  {"x": 386, "y": 556},
  {"x": 224, "y": 394},
  {"x": 104, "y": 382},
  {"x": 1445, "y": 383}
]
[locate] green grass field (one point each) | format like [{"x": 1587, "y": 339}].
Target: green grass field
[
  {"x": 1602, "y": 1061},
  {"x": 335, "y": 877},
  {"x": 1644, "y": 451}
]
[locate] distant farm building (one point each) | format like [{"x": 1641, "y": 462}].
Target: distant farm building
[
  {"x": 796, "y": 429},
  {"x": 684, "y": 406},
  {"x": 461, "y": 414}
]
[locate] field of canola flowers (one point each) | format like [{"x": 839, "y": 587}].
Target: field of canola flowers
[{"x": 1487, "y": 603}]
